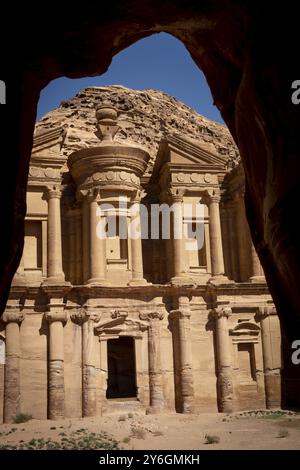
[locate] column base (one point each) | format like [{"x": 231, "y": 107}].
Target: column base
[
  {"x": 187, "y": 408},
  {"x": 182, "y": 281},
  {"x": 138, "y": 282},
  {"x": 220, "y": 279},
  {"x": 95, "y": 281},
  {"x": 154, "y": 410},
  {"x": 226, "y": 408},
  {"x": 257, "y": 279},
  {"x": 56, "y": 281}
]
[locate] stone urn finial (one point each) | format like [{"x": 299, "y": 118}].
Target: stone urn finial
[{"x": 107, "y": 121}]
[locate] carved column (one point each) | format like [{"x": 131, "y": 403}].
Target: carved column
[
  {"x": 231, "y": 220},
  {"x": 224, "y": 380},
  {"x": 155, "y": 373},
  {"x": 177, "y": 221},
  {"x": 12, "y": 318},
  {"x": 88, "y": 369},
  {"x": 217, "y": 260},
  {"x": 85, "y": 239},
  {"x": 56, "y": 385},
  {"x": 175, "y": 199},
  {"x": 256, "y": 271},
  {"x": 136, "y": 244},
  {"x": 97, "y": 242},
  {"x": 87, "y": 319},
  {"x": 225, "y": 239},
  {"x": 57, "y": 317},
  {"x": 182, "y": 318},
  {"x": 54, "y": 245},
  {"x": 78, "y": 247},
  {"x": 55, "y": 288},
  {"x": 271, "y": 355},
  {"x": 242, "y": 236},
  {"x": 72, "y": 235}
]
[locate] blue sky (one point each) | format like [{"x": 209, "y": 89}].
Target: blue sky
[{"x": 158, "y": 62}]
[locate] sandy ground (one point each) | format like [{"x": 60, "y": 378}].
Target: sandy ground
[{"x": 172, "y": 431}]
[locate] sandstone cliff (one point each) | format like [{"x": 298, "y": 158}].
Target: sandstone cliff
[{"x": 144, "y": 117}]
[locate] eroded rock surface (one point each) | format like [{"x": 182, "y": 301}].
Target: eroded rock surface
[{"x": 144, "y": 117}]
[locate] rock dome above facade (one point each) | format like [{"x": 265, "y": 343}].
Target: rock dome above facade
[{"x": 144, "y": 118}]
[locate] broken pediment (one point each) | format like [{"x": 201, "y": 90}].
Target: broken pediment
[
  {"x": 186, "y": 152},
  {"x": 48, "y": 142},
  {"x": 121, "y": 324},
  {"x": 245, "y": 328}
]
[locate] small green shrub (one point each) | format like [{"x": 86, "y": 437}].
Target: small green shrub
[
  {"x": 209, "y": 439},
  {"x": 91, "y": 441},
  {"x": 138, "y": 433},
  {"x": 22, "y": 418},
  {"x": 283, "y": 433}
]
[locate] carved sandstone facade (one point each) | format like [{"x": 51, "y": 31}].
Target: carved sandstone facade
[{"x": 99, "y": 324}]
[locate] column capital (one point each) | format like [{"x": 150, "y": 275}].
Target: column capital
[
  {"x": 175, "y": 194},
  {"x": 78, "y": 316},
  {"x": 56, "y": 315},
  {"x": 221, "y": 312},
  {"x": 266, "y": 311},
  {"x": 81, "y": 194},
  {"x": 180, "y": 313},
  {"x": 137, "y": 196},
  {"x": 93, "y": 194},
  {"x": 119, "y": 314},
  {"x": 213, "y": 195},
  {"x": 183, "y": 310},
  {"x": 12, "y": 316},
  {"x": 150, "y": 316},
  {"x": 53, "y": 192},
  {"x": 84, "y": 314}
]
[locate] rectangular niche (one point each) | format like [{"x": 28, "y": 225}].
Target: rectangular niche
[
  {"x": 196, "y": 255},
  {"x": 116, "y": 244},
  {"x": 246, "y": 362},
  {"x": 33, "y": 259}
]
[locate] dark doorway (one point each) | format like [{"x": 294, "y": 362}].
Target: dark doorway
[{"x": 121, "y": 382}]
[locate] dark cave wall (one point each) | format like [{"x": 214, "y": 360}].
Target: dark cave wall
[{"x": 247, "y": 50}]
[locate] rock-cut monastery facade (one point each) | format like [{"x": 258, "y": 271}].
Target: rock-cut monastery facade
[{"x": 155, "y": 320}]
